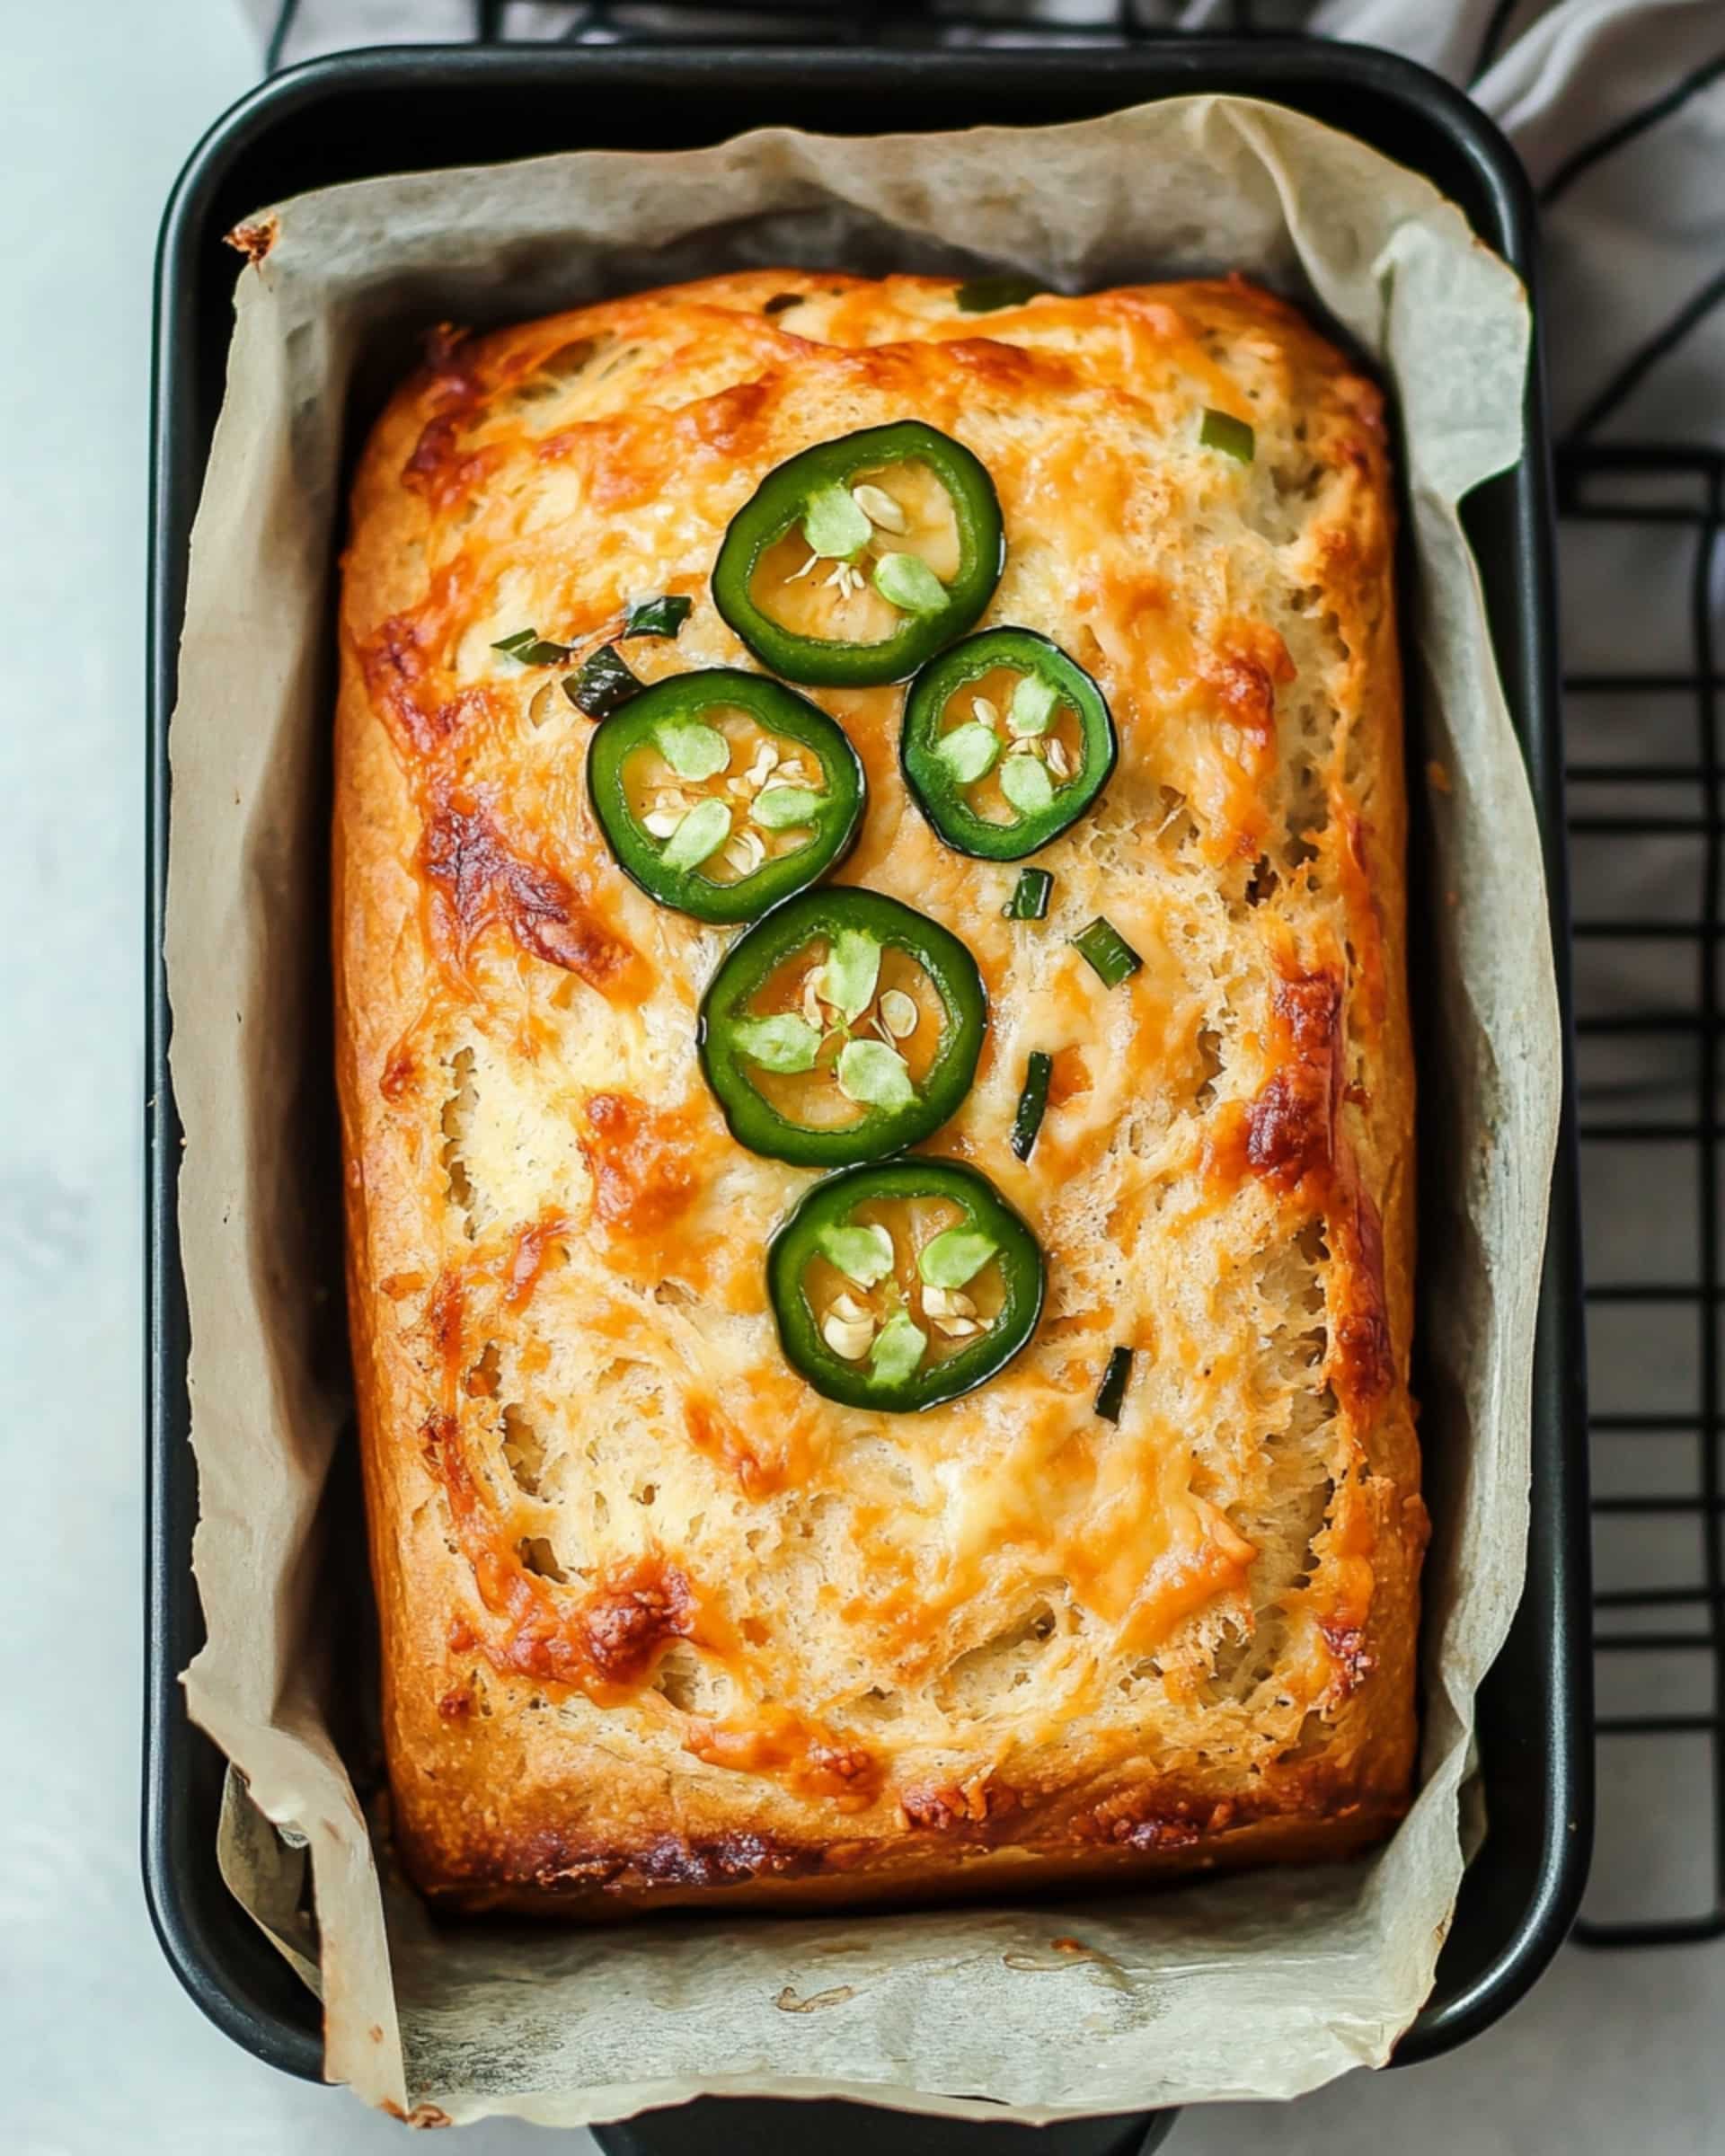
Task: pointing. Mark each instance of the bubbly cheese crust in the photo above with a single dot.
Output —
(657, 1620)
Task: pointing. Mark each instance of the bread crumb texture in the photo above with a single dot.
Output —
(658, 1620)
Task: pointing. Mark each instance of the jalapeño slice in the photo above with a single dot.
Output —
(843, 1027)
(859, 559)
(904, 1284)
(1006, 742)
(721, 792)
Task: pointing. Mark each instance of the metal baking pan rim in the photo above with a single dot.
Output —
(227, 1968)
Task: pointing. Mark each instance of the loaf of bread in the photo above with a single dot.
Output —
(661, 1621)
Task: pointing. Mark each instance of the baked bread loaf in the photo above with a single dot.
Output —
(662, 1623)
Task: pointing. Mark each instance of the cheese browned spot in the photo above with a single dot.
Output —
(535, 1247)
(605, 1642)
(1069, 1077)
(763, 1459)
(478, 880)
(1363, 1355)
(776, 1742)
(701, 1633)
(969, 1809)
(628, 1621)
(643, 1179)
(1292, 1129)
(439, 468)
(397, 662)
(1249, 665)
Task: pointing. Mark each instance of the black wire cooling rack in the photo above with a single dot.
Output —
(1659, 1636)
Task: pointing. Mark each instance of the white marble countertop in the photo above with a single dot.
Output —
(99, 2050)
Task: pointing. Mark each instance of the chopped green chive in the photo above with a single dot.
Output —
(1221, 430)
(954, 1257)
(874, 1075)
(1110, 1396)
(783, 1043)
(701, 834)
(1106, 951)
(864, 1255)
(604, 682)
(969, 752)
(1032, 1102)
(658, 617)
(1032, 706)
(1025, 782)
(853, 967)
(906, 581)
(984, 295)
(833, 524)
(784, 807)
(532, 649)
(692, 750)
(898, 1349)
(1030, 898)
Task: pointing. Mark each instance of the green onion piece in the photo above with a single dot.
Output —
(863, 1255)
(955, 1256)
(784, 1043)
(780, 301)
(1032, 1102)
(906, 581)
(784, 807)
(1110, 1396)
(1032, 706)
(1107, 952)
(847, 979)
(701, 834)
(1025, 782)
(984, 295)
(1030, 898)
(658, 617)
(969, 752)
(604, 682)
(532, 649)
(692, 750)
(1221, 430)
(833, 524)
(898, 1347)
(874, 1075)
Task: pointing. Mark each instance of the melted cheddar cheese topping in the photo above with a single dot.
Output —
(626, 1556)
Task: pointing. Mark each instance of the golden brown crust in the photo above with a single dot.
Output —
(660, 1626)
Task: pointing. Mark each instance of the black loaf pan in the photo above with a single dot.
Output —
(379, 113)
